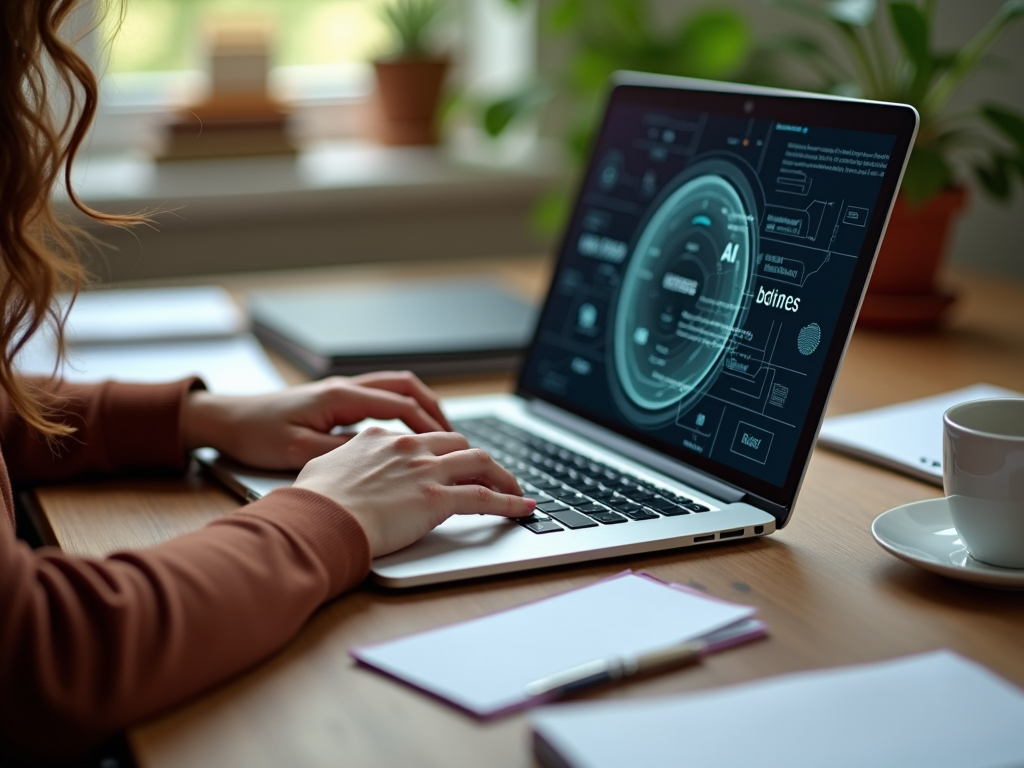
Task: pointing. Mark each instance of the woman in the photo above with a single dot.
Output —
(89, 646)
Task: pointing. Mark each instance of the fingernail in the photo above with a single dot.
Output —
(531, 504)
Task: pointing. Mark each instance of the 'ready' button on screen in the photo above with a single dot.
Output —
(752, 442)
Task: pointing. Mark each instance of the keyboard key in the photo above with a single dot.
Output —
(641, 513)
(540, 526)
(571, 498)
(624, 505)
(608, 518)
(573, 520)
(551, 506)
(637, 494)
(697, 507)
(660, 502)
(673, 511)
(547, 485)
(590, 508)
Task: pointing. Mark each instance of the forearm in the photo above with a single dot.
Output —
(118, 428)
(91, 646)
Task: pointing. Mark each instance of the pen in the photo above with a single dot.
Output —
(616, 668)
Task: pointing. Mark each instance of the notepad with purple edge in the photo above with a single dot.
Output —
(484, 665)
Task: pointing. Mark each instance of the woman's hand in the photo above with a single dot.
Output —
(399, 487)
(284, 430)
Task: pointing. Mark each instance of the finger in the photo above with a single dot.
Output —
(478, 500)
(410, 385)
(383, 404)
(475, 465)
(443, 443)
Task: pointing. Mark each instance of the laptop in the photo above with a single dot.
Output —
(431, 327)
(705, 292)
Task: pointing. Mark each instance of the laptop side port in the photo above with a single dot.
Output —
(706, 537)
(731, 534)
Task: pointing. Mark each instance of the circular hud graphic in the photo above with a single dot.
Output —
(684, 291)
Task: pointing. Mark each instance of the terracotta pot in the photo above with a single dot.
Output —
(408, 92)
(903, 293)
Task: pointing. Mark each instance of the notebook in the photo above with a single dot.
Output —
(934, 709)
(703, 298)
(907, 436)
(152, 335)
(479, 665)
(434, 328)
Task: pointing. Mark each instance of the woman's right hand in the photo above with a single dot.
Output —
(399, 487)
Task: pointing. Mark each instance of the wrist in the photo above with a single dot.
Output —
(200, 420)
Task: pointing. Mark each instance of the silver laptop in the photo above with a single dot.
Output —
(705, 291)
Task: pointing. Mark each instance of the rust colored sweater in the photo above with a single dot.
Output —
(88, 646)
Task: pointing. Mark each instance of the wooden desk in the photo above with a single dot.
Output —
(829, 594)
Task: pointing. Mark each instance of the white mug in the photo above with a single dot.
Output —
(983, 476)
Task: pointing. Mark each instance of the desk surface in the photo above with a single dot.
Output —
(829, 594)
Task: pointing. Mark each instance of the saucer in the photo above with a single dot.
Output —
(922, 533)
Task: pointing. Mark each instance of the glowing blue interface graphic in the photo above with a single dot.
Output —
(707, 265)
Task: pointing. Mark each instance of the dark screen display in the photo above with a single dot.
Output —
(703, 278)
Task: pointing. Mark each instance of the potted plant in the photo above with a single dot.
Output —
(596, 38)
(409, 81)
(903, 292)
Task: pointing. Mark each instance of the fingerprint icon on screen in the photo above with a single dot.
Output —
(808, 339)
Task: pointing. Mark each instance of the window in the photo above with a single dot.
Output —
(154, 62)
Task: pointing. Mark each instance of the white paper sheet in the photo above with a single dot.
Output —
(906, 436)
(230, 366)
(153, 314)
(484, 665)
(936, 709)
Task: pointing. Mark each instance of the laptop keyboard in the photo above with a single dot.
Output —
(572, 491)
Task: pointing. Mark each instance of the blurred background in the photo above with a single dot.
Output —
(306, 171)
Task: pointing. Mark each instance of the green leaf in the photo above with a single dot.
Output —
(591, 69)
(927, 174)
(713, 44)
(1008, 123)
(499, 114)
(970, 55)
(551, 212)
(628, 18)
(912, 32)
(996, 179)
(565, 15)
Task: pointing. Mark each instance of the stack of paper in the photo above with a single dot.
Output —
(156, 335)
(483, 666)
(937, 710)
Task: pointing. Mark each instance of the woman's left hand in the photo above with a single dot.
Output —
(284, 430)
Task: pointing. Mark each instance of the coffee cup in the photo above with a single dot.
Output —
(983, 476)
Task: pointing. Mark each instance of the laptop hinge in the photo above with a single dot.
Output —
(639, 453)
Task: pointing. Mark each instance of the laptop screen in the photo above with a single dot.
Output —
(711, 270)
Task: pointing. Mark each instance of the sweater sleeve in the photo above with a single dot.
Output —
(119, 428)
(90, 646)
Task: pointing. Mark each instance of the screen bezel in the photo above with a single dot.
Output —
(727, 100)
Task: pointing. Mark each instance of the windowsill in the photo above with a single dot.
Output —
(334, 202)
(348, 172)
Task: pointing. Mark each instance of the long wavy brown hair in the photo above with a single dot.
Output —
(40, 69)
